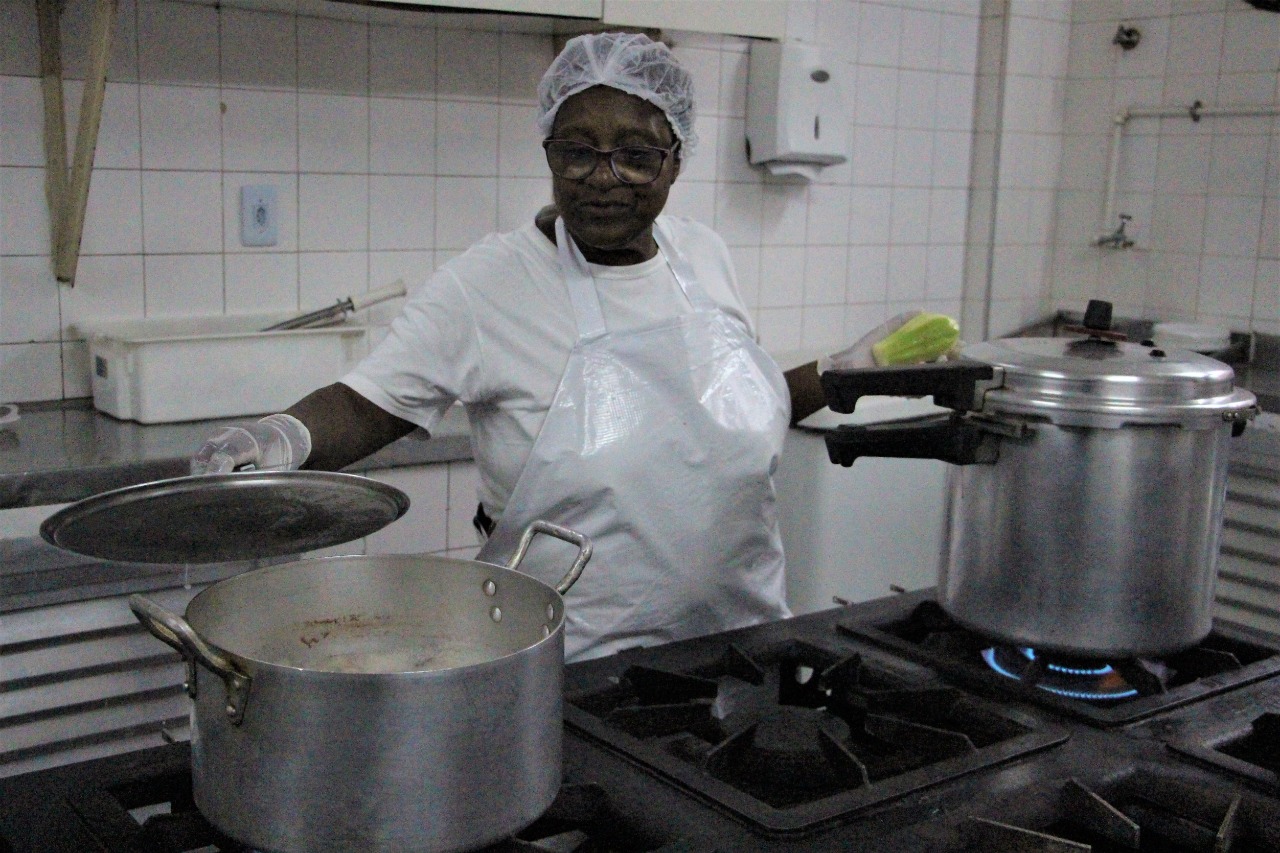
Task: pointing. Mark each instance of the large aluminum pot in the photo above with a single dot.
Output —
(394, 703)
(1085, 505)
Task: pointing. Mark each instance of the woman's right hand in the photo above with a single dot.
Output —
(275, 443)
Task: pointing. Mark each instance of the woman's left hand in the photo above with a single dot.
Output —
(859, 354)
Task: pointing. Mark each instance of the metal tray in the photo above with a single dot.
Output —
(225, 517)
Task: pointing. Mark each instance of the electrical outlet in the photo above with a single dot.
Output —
(259, 215)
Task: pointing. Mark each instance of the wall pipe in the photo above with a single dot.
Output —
(1195, 112)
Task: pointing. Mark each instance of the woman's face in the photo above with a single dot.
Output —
(601, 211)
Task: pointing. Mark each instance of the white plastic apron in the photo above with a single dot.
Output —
(660, 445)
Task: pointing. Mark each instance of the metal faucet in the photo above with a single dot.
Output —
(1117, 239)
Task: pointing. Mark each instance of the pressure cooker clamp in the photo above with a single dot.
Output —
(1239, 418)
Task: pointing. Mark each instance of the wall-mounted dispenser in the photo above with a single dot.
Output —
(796, 118)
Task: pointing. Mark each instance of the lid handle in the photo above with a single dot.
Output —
(1097, 324)
(950, 437)
(952, 384)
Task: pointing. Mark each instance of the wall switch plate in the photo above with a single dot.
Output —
(259, 215)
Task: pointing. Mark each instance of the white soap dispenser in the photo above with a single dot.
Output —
(796, 118)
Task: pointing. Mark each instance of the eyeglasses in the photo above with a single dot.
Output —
(631, 164)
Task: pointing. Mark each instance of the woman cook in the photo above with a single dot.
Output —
(608, 368)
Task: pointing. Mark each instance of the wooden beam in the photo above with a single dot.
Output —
(77, 198)
(55, 130)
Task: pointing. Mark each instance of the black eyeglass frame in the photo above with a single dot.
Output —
(613, 167)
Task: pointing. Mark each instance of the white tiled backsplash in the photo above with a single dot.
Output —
(395, 147)
(1204, 196)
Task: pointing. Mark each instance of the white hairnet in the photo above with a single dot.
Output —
(629, 62)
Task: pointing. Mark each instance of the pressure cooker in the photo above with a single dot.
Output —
(1086, 492)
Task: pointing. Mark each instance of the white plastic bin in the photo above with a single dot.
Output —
(171, 369)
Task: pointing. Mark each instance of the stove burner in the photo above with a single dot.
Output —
(583, 819)
(916, 626)
(1261, 746)
(795, 735)
(1145, 811)
(787, 750)
(1075, 679)
(1251, 751)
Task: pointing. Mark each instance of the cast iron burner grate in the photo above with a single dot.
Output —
(153, 813)
(1253, 752)
(1105, 693)
(156, 814)
(796, 736)
(1145, 811)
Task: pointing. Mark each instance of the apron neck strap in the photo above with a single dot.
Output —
(582, 289)
(681, 269)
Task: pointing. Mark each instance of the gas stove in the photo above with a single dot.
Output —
(791, 727)
(841, 730)
(1100, 692)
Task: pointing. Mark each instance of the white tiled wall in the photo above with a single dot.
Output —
(1204, 197)
(442, 502)
(393, 147)
(1027, 167)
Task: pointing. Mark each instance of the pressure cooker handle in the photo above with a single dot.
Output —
(571, 536)
(950, 437)
(952, 384)
(175, 631)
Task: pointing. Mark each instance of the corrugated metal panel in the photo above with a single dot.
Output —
(1248, 588)
(84, 680)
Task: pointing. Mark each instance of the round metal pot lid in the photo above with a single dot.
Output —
(1084, 375)
(225, 517)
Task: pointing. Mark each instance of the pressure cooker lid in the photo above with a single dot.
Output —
(1089, 375)
(225, 517)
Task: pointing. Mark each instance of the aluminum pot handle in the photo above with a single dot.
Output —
(570, 536)
(173, 630)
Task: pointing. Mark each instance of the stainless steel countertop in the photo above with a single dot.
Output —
(65, 451)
